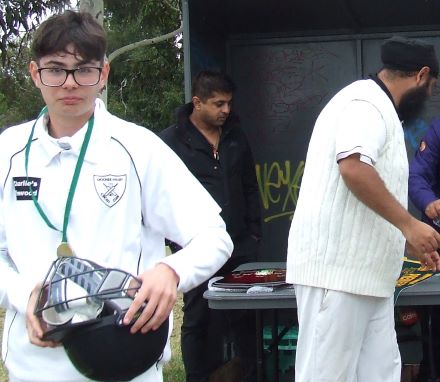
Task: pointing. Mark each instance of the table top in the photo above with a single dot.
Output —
(424, 293)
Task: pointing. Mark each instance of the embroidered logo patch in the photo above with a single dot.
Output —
(110, 188)
(25, 187)
(422, 146)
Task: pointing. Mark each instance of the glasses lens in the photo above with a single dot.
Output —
(87, 76)
(53, 76)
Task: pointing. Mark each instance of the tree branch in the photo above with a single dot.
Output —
(149, 41)
(167, 2)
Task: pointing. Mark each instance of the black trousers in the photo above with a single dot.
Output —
(204, 330)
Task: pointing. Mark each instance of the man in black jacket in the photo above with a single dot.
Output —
(209, 140)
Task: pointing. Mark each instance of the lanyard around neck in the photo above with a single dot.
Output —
(73, 183)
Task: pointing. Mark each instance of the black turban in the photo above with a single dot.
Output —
(407, 55)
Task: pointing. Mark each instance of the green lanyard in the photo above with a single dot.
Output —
(73, 183)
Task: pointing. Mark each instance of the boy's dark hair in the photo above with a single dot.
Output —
(206, 82)
(77, 28)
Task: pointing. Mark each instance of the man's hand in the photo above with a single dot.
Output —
(421, 237)
(432, 211)
(159, 290)
(35, 331)
(430, 260)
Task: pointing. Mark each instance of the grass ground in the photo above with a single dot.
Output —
(173, 371)
(3, 374)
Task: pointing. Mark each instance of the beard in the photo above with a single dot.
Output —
(413, 103)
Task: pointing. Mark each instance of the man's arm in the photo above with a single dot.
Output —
(364, 181)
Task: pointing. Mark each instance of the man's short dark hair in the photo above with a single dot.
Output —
(206, 82)
(79, 29)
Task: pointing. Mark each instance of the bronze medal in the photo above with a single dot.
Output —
(64, 250)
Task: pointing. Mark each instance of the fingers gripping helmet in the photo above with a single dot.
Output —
(82, 305)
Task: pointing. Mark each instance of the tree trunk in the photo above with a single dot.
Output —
(96, 9)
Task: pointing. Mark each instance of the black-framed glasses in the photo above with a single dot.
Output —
(84, 76)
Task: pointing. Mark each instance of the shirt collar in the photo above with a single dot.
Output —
(52, 147)
(378, 81)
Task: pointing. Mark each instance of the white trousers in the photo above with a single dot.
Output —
(345, 337)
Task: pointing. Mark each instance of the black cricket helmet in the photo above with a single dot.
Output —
(82, 305)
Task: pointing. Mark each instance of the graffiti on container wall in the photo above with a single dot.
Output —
(279, 185)
(284, 80)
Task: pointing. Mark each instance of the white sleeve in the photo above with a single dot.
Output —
(361, 130)
(179, 208)
(14, 290)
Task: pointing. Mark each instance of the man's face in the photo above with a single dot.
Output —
(413, 101)
(215, 109)
(69, 100)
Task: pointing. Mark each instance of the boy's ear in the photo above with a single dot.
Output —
(104, 74)
(33, 70)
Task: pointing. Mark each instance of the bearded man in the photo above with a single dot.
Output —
(348, 234)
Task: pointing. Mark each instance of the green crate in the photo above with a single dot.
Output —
(288, 342)
(286, 349)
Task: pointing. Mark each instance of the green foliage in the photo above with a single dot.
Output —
(20, 16)
(20, 100)
(146, 84)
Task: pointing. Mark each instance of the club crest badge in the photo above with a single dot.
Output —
(110, 188)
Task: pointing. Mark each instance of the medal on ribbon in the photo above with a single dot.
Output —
(64, 249)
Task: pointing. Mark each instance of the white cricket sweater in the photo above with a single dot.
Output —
(335, 241)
